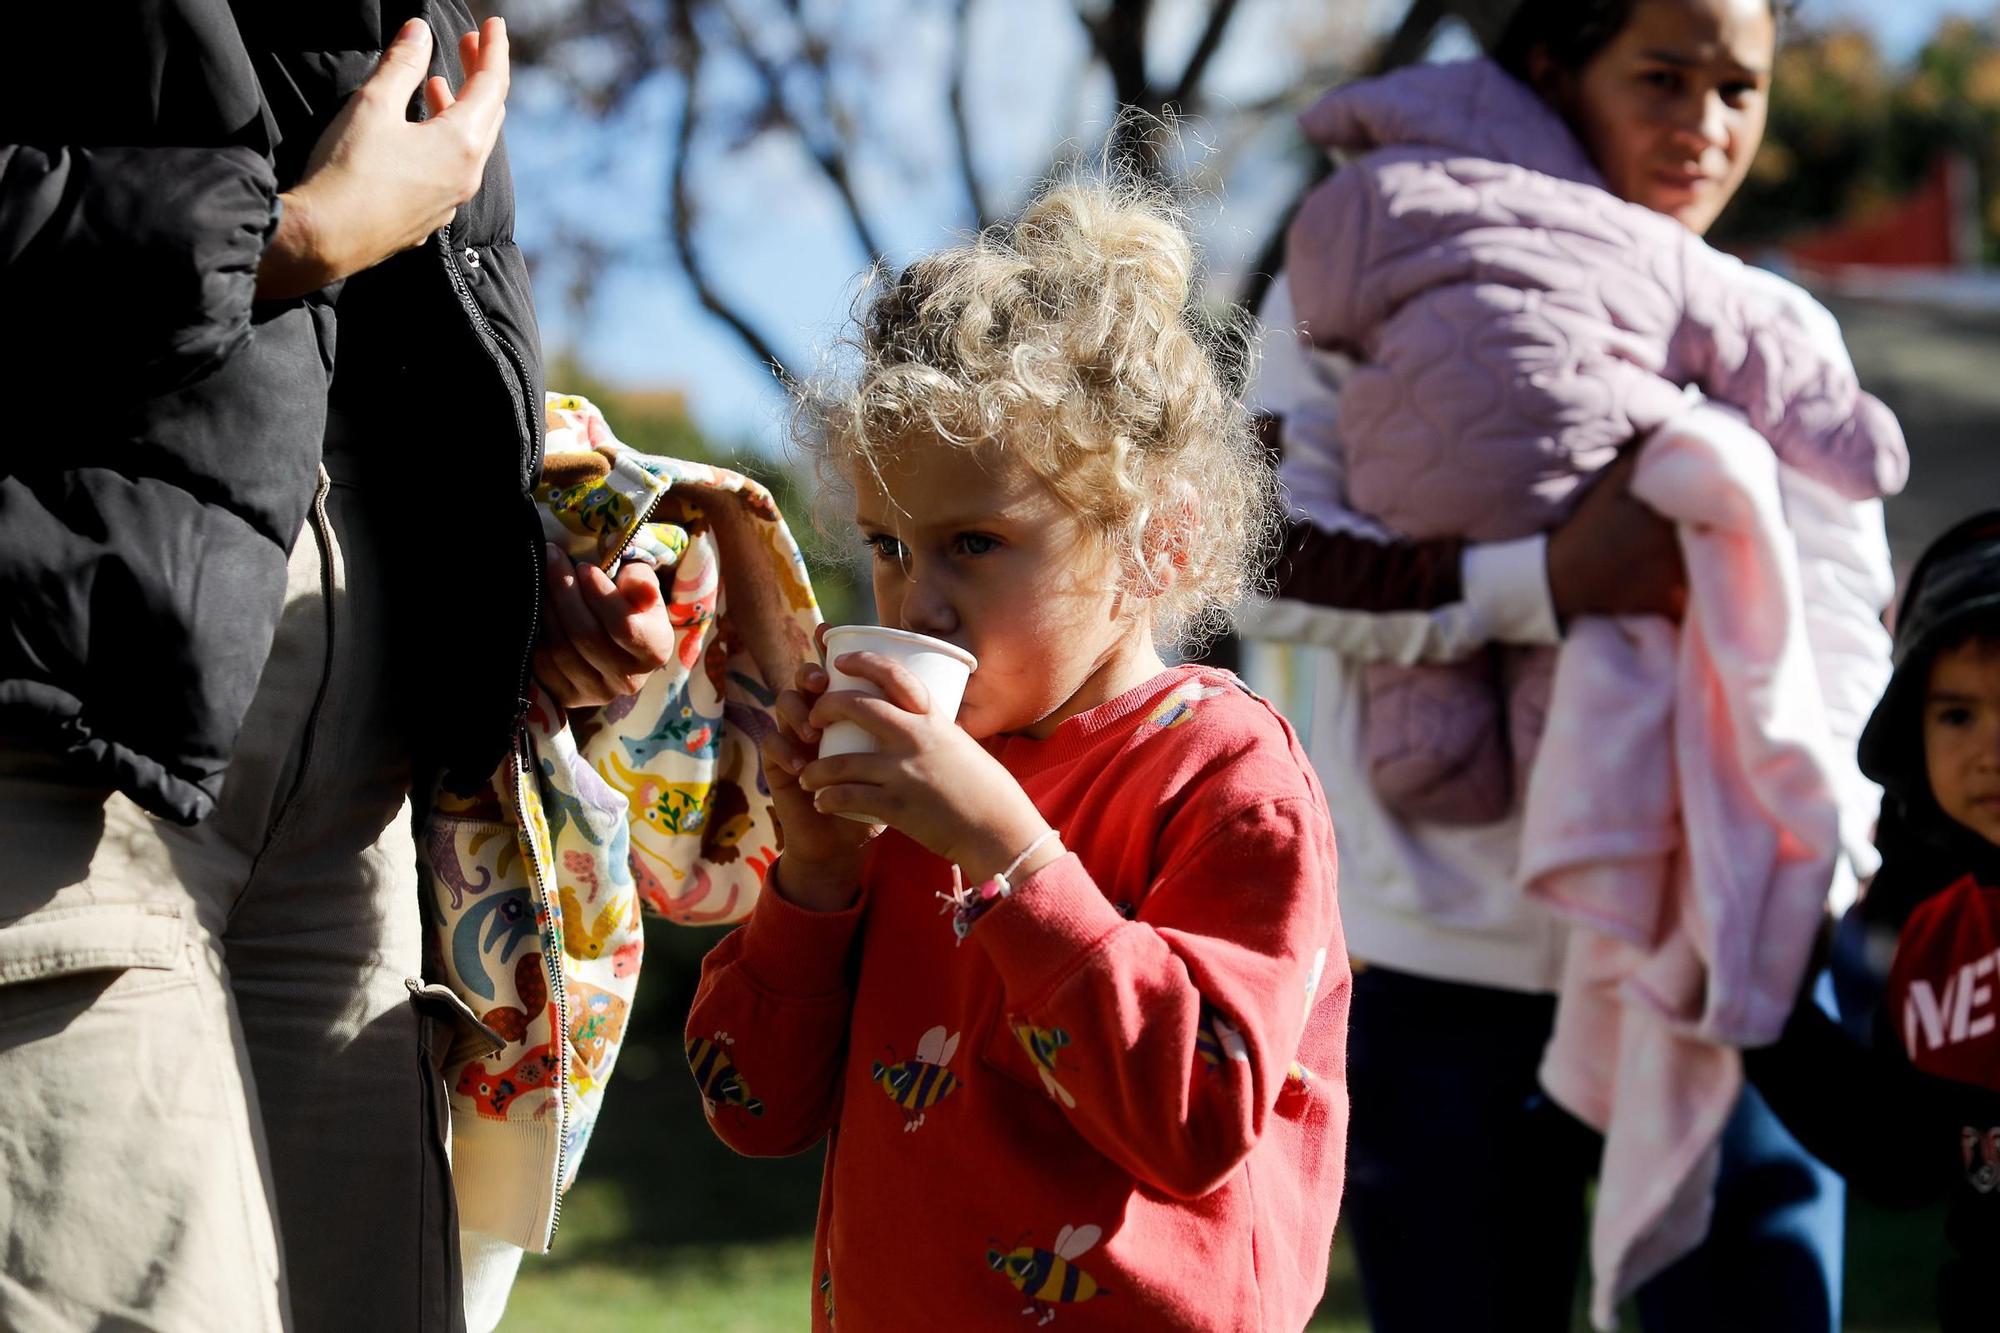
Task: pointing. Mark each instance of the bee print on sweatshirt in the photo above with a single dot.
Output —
(917, 1084)
(1217, 1039)
(1299, 1079)
(1042, 1046)
(1179, 705)
(716, 1076)
(1049, 1278)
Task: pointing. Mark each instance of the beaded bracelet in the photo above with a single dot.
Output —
(967, 905)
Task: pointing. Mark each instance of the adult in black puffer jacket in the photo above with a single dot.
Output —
(167, 425)
(275, 410)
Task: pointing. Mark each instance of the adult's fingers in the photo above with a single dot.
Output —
(488, 71)
(631, 613)
(577, 635)
(403, 65)
(569, 618)
(568, 677)
(437, 95)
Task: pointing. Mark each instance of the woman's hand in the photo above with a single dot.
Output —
(378, 183)
(601, 637)
(929, 780)
(1615, 555)
(821, 865)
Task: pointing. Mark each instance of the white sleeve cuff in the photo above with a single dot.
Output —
(1506, 585)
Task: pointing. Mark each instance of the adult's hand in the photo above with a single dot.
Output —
(600, 637)
(1615, 555)
(378, 183)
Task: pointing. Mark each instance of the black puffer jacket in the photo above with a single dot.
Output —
(165, 428)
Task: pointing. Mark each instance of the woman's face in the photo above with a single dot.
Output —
(1673, 109)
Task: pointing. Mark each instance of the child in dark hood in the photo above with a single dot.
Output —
(1915, 1110)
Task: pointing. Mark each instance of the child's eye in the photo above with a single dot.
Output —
(1954, 715)
(886, 548)
(976, 543)
(1735, 95)
(1664, 80)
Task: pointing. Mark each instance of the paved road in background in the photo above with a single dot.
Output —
(1940, 372)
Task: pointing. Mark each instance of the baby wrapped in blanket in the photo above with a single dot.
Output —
(1514, 325)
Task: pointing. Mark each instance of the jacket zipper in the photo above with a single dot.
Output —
(638, 526)
(551, 959)
(552, 969)
(322, 537)
(532, 464)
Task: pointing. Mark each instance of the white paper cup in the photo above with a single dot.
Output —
(942, 667)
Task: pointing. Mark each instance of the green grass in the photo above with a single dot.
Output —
(603, 1279)
(746, 1287)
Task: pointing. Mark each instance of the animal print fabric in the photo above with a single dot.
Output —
(658, 800)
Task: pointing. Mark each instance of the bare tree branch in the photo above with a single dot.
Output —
(961, 128)
(1412, 35)
(682, 211)
(1119, 35)
(1486, 18)
(1408, 43)
(829, 157)
(1219, 14)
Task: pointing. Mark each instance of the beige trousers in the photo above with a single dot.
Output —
(219, 1107)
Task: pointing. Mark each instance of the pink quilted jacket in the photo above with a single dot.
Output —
(1515, 324)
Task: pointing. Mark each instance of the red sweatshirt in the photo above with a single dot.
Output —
(1121, 1098)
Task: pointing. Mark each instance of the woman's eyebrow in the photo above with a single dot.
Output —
(1682, 60)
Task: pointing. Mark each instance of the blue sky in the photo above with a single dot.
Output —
(776, 242)
(1900, 25)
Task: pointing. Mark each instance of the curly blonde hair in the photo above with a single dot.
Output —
(1069, 337)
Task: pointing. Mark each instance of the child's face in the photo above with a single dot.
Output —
(1673, 109)
(1962, 735)
(969, 546)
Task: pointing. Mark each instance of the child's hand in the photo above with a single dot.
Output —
(929, 780)
(821, 865)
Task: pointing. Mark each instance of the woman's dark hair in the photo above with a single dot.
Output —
(1574, 31)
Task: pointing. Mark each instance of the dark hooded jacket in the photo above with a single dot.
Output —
(165, 427)
(1904, 1100)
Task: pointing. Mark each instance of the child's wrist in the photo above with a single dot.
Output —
(989, 852)
(816, 886)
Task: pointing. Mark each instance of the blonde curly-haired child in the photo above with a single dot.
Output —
(1073, 1025)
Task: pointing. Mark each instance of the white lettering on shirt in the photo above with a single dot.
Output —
(1965, 1012)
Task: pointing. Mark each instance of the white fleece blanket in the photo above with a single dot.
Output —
(1687, 812)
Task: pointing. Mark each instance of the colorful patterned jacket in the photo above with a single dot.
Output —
(535, 884)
